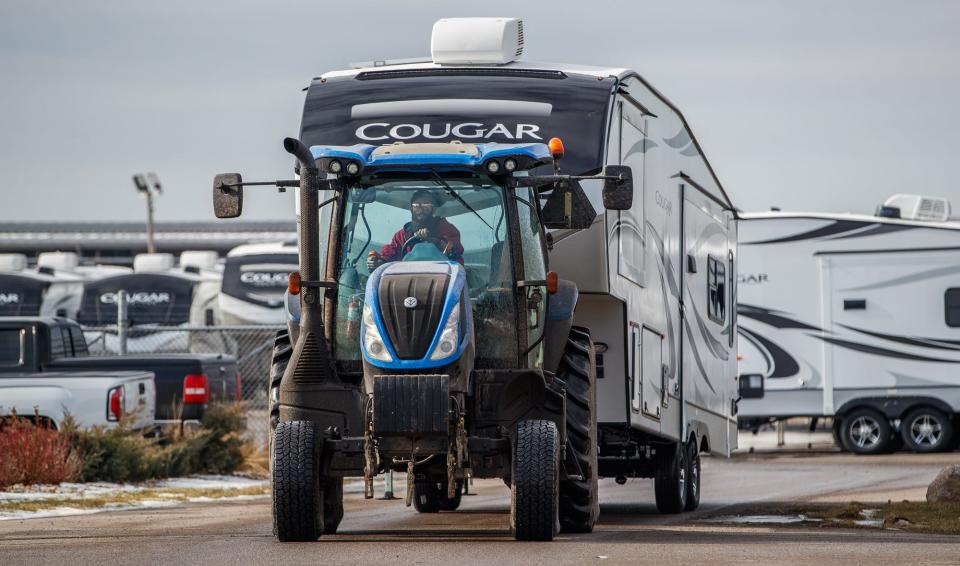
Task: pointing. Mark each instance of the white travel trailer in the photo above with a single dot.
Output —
(853, 317)
(160, 293)
(52, 288)
(254, 282)
(655, 281)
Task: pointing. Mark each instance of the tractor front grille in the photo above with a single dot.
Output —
(411, 328)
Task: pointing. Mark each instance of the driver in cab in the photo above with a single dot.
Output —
(423, 227)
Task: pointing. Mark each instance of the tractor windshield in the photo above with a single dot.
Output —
(430, 216)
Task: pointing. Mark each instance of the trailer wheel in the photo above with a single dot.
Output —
(693, 477)
(670, 482)
(579, 500)
(926, 429)
(536, 473)
(865, 431)
(297, 496)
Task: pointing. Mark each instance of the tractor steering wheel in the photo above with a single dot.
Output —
(441, 243)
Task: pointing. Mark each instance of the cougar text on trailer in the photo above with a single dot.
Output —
(854, 317)
(625, 369)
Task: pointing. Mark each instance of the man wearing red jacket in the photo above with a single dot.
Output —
(425, 226)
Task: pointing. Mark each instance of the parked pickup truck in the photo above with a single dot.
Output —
(90, 397)
(186, 383)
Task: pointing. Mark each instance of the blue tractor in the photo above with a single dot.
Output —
(428, 336)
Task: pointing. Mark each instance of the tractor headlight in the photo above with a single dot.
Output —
(449, 337)
(373, 343)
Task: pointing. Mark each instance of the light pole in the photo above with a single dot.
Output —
(149, 187)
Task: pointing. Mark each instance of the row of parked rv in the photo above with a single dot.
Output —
(201, 290)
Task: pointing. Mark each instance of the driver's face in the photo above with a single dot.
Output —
(421, 209)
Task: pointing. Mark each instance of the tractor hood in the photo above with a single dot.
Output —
(416, 315)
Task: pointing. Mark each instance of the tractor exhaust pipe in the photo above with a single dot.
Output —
(309, 222)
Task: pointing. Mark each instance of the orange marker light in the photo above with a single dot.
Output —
(556, 147)
(553, 280)
(293, 283)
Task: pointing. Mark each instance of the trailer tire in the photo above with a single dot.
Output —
(297, 494)
(865, 431)
(535, 495)
(926, 429)
(670, 482)
(579, 500)
(693, 477)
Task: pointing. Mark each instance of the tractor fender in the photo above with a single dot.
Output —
(560, 310)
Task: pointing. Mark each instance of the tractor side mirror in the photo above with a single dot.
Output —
(618, 187)
(568, 207)
(227, 195)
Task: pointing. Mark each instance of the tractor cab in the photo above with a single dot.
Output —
(439, 227)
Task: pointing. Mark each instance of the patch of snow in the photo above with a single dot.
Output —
(210, 482)
(763, 519)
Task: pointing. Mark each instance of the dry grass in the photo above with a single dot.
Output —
(130, 498)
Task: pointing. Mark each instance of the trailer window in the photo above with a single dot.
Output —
(952, 306)
(11, 347)
(716, 290)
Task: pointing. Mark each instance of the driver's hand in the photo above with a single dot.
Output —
(374, 260)
(422, 233)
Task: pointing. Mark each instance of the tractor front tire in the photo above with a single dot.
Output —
(297, 493)
(536, 486)
(431, 497)
(579, 499)
(332, 505)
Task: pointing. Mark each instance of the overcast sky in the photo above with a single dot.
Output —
(813, 105)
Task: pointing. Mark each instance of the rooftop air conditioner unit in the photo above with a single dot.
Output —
(152, 263)
(11, 263)
(918, 207)
(476, 41)
(59, 261)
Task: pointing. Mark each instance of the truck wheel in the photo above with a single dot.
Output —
(670, 482)
(579, 500)
(693, 477)
(536, 474)
(865, 431)
(332, 505)
(926, 429)
(297, 497)
(426, 497)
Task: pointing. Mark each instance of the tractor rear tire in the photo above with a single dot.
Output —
(536, 486)
(282, 350)
(297, 494)
(579, 499)
(426, 497)
(670, 482)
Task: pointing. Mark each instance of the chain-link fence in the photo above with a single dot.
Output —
(252, 346)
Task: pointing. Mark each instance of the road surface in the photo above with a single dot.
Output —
(630, 531)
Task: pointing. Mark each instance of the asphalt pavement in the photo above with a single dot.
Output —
(630, 529)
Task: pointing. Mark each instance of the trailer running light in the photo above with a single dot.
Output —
(373, 343)
(493, 167)
(335, 166)
(115, 404)
(449, 338)
(195, 389)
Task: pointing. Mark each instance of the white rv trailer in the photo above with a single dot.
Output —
(160, 293)
(52, 288)
(655, 282)
(853, 317)
(254, 282)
